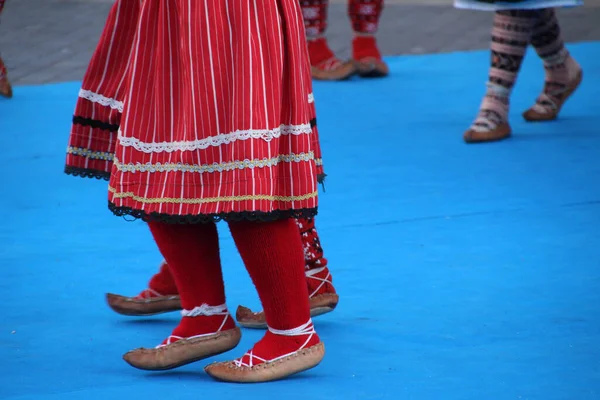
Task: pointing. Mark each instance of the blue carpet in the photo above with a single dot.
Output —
(465, 272)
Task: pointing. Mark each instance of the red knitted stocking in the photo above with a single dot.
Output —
(192, 252)
(273, 256)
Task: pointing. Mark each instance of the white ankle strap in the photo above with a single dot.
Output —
(311, 272)
(203, 310)
(152, 291)
(305, 329)
(206, 310)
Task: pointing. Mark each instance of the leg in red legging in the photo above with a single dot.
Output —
(322, 295)
(206, 328)
(272, 253)
(365, 15)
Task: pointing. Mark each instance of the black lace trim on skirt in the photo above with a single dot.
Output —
(257, 216)
(94, 123)
(87, 173)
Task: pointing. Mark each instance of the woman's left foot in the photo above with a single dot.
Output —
(279, 354)
(322, 296)
(548, 105)
(556, 93)
(324, 64)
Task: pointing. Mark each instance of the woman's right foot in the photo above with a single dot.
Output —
(279, 354)
(322, 297)
(492, 122)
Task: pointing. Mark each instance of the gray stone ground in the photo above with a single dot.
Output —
(52, 40)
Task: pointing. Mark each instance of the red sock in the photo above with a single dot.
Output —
(162, 282)
(321, 56)
(272, 252)
(192, 252)
(318, 277)
(365, 47)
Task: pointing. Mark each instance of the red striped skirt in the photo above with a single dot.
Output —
(97, 118)
(217, 118)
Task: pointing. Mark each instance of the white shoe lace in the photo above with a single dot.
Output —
(311, 275)
(305, 329)
(203, 310)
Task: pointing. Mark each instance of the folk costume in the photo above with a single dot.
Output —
(215, 126)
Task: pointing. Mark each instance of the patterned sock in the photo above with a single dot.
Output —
(560, 67)
(272, 253)
(318, 277)
(315, 17)
(511, 34)
(364, 15)
(192, 252)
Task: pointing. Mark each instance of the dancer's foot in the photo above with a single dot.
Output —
(492, 122)
(325, 65)
(561, 82)
(322, 295)
(203, 332)
(160, 297)
(277, 355)
(148, 302)
(367, 57)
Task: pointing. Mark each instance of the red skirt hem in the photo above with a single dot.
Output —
(234, 216)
